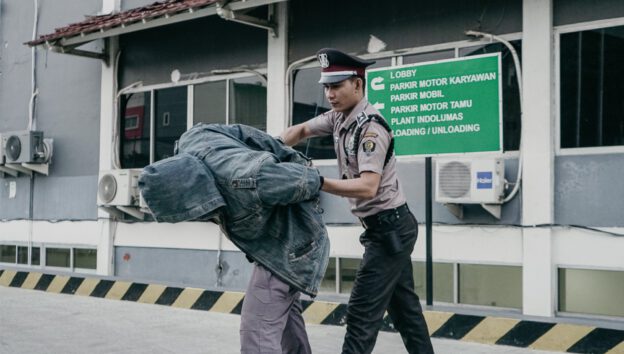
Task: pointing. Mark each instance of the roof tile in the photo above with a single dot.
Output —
(105, 22)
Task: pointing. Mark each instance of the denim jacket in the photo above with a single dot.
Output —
(263, 194)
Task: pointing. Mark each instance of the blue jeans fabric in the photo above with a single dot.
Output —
(263, 194)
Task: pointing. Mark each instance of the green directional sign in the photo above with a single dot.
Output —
(442, 107)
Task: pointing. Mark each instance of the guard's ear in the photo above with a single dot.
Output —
(359, 83)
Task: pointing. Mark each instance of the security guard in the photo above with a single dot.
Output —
(364, 148)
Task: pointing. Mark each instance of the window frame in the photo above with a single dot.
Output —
(396, 57)
(557, 32)
(455, 291)
(559, 313)
(42, 256)
(190, 85)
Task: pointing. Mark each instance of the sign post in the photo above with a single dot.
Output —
(442, 107)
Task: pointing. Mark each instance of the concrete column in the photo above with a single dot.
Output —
(539, 278)
(105, 249)
(277, 63)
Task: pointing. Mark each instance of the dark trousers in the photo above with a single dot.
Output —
(383, 282)
(271, 321)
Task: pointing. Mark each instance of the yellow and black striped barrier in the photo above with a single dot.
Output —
(560, 337)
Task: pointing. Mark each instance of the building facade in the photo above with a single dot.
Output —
(139, 74)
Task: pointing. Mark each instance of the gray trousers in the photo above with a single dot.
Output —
(271, 320)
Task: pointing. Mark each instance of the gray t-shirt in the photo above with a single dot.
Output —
(373, 145)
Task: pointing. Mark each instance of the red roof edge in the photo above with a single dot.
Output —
(106, 22)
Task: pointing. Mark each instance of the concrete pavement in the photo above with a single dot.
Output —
(34, 321)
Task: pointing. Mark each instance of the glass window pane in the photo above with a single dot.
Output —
(442, 281)
(7, 253)
(328, 284)
(490, 285)
(511, 93)
(57, 257)
(308, 102)
(135, 130)
(34, 256)
(170, 120)
(380, 63)
(209, 102)
(348, 270)
(85, 258)
(248, 102)
(431, 56)
(592, 113)
(22, 255)
(597, 292)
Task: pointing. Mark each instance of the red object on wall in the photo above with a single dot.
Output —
(133, 122)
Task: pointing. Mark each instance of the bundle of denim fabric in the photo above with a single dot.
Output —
(262, 193)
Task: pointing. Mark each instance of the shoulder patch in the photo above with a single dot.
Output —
(369, 146)
(361, 119)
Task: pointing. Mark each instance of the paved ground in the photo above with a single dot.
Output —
(38, 322)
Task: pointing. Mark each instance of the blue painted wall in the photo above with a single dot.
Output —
(67, 110)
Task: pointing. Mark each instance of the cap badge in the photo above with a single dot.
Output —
(322, 58)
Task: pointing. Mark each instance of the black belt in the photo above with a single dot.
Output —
(385, 217)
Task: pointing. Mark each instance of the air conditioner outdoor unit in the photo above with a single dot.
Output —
(118, 188)
(26, 146)
(470, 180)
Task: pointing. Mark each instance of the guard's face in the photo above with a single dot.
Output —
(344, 95)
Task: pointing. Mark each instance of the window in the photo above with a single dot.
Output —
(7, 254)
(443, 283)
(22, 255)
(592, 112)
(490, 285)
(171, 102)
(248, 102)
(511, 93)
(231, 101)
(596, 292)
(209, 104)
(146, 139)
(85, 258)
(34, 256)
(57, 257)
(430, 56)
(348, 270)
(135, 125)
(328, 284)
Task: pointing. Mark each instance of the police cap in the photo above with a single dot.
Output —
(337, 66)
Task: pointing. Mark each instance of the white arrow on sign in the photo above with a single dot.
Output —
(377, 83)
(379, 106)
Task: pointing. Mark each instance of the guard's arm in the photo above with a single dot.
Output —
(293, 135)
(364, 187)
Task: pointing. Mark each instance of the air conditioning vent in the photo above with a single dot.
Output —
(25, 147)
(455, 179)
(118, 188)
(107, 188)
(470, 181)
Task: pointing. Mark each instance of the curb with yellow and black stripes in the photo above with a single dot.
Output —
(482, 329)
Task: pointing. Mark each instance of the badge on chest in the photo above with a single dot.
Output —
(351, 145)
